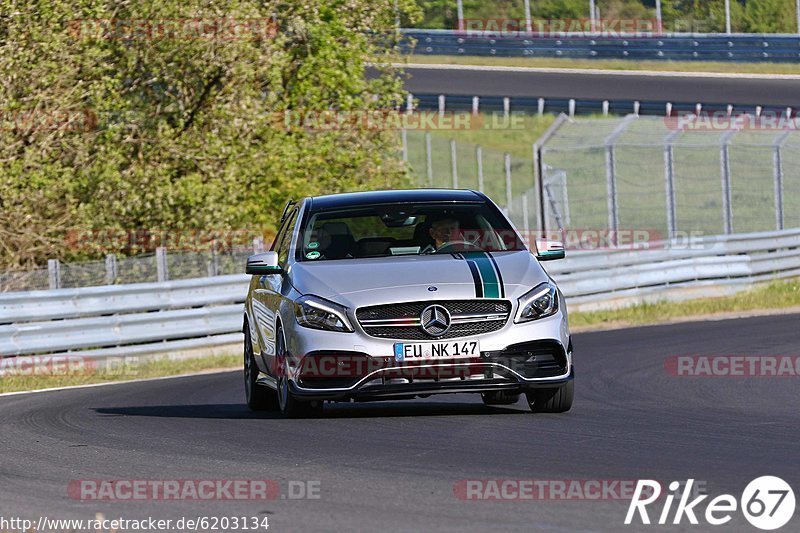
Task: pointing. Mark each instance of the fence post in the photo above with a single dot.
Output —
(506, 106)
(777, 173)
(454, 163)
(441, 104)
(479, 159)
(161, 264)
(507, 165)
(476, 103)
(611, 187)
(54, 273)
(725, 171)
(428, 158)
(611, 172)
(537, 185)
(404, 142)
(525, 224)
(528, 25)
(669, 183)
(258, 245)
(213, 264)
(111, 269)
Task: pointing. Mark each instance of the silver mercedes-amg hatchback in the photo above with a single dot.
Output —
(400, 295)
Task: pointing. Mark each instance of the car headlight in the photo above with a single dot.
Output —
(318, 313)
(541, 302)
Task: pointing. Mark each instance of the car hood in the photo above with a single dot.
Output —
(373, 281)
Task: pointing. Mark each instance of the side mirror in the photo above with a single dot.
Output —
(263, 264)
(547, 250)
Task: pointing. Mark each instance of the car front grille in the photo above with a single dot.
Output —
(402, 320)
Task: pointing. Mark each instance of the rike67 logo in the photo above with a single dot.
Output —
(767, 502)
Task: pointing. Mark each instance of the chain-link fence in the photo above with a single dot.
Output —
(160, 266)
(507, 178)
(671, 177)
(661, 174)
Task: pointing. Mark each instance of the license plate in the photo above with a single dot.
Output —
(421, 351)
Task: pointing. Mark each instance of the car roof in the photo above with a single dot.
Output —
(402, 196)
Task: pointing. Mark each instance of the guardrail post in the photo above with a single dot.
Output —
(571, 107)
(410, 103)
(507, 165)
(54, 273)
(441, 104)
(479, 159)
(454, 163)
(506, 106)
(605, 108)
(111, 269)
(428, 158)
(540, 106)
(161, 264)
(725, 171)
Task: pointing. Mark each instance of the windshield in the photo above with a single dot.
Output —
(396, 230)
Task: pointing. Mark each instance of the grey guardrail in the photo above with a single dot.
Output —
(203, 313)
(682, 47)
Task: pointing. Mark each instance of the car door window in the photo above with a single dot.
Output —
(284, 239)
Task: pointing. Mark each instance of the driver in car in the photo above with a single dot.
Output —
(444, 231)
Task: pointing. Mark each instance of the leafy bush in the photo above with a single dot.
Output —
(107, 126)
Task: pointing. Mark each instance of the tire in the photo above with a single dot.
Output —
(556, 400)
(258, 397)
(289, 405)
(499, 398)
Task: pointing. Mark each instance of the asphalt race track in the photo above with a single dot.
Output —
(606, 86)
(393, 465)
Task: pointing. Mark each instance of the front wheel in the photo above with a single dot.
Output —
(555, 400)
(290, 406)
(259, 397)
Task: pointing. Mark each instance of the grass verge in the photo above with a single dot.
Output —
(774, 296)
(71, 373)
(611, 64)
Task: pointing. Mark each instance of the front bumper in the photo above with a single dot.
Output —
(356, 366)
(325, 375)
